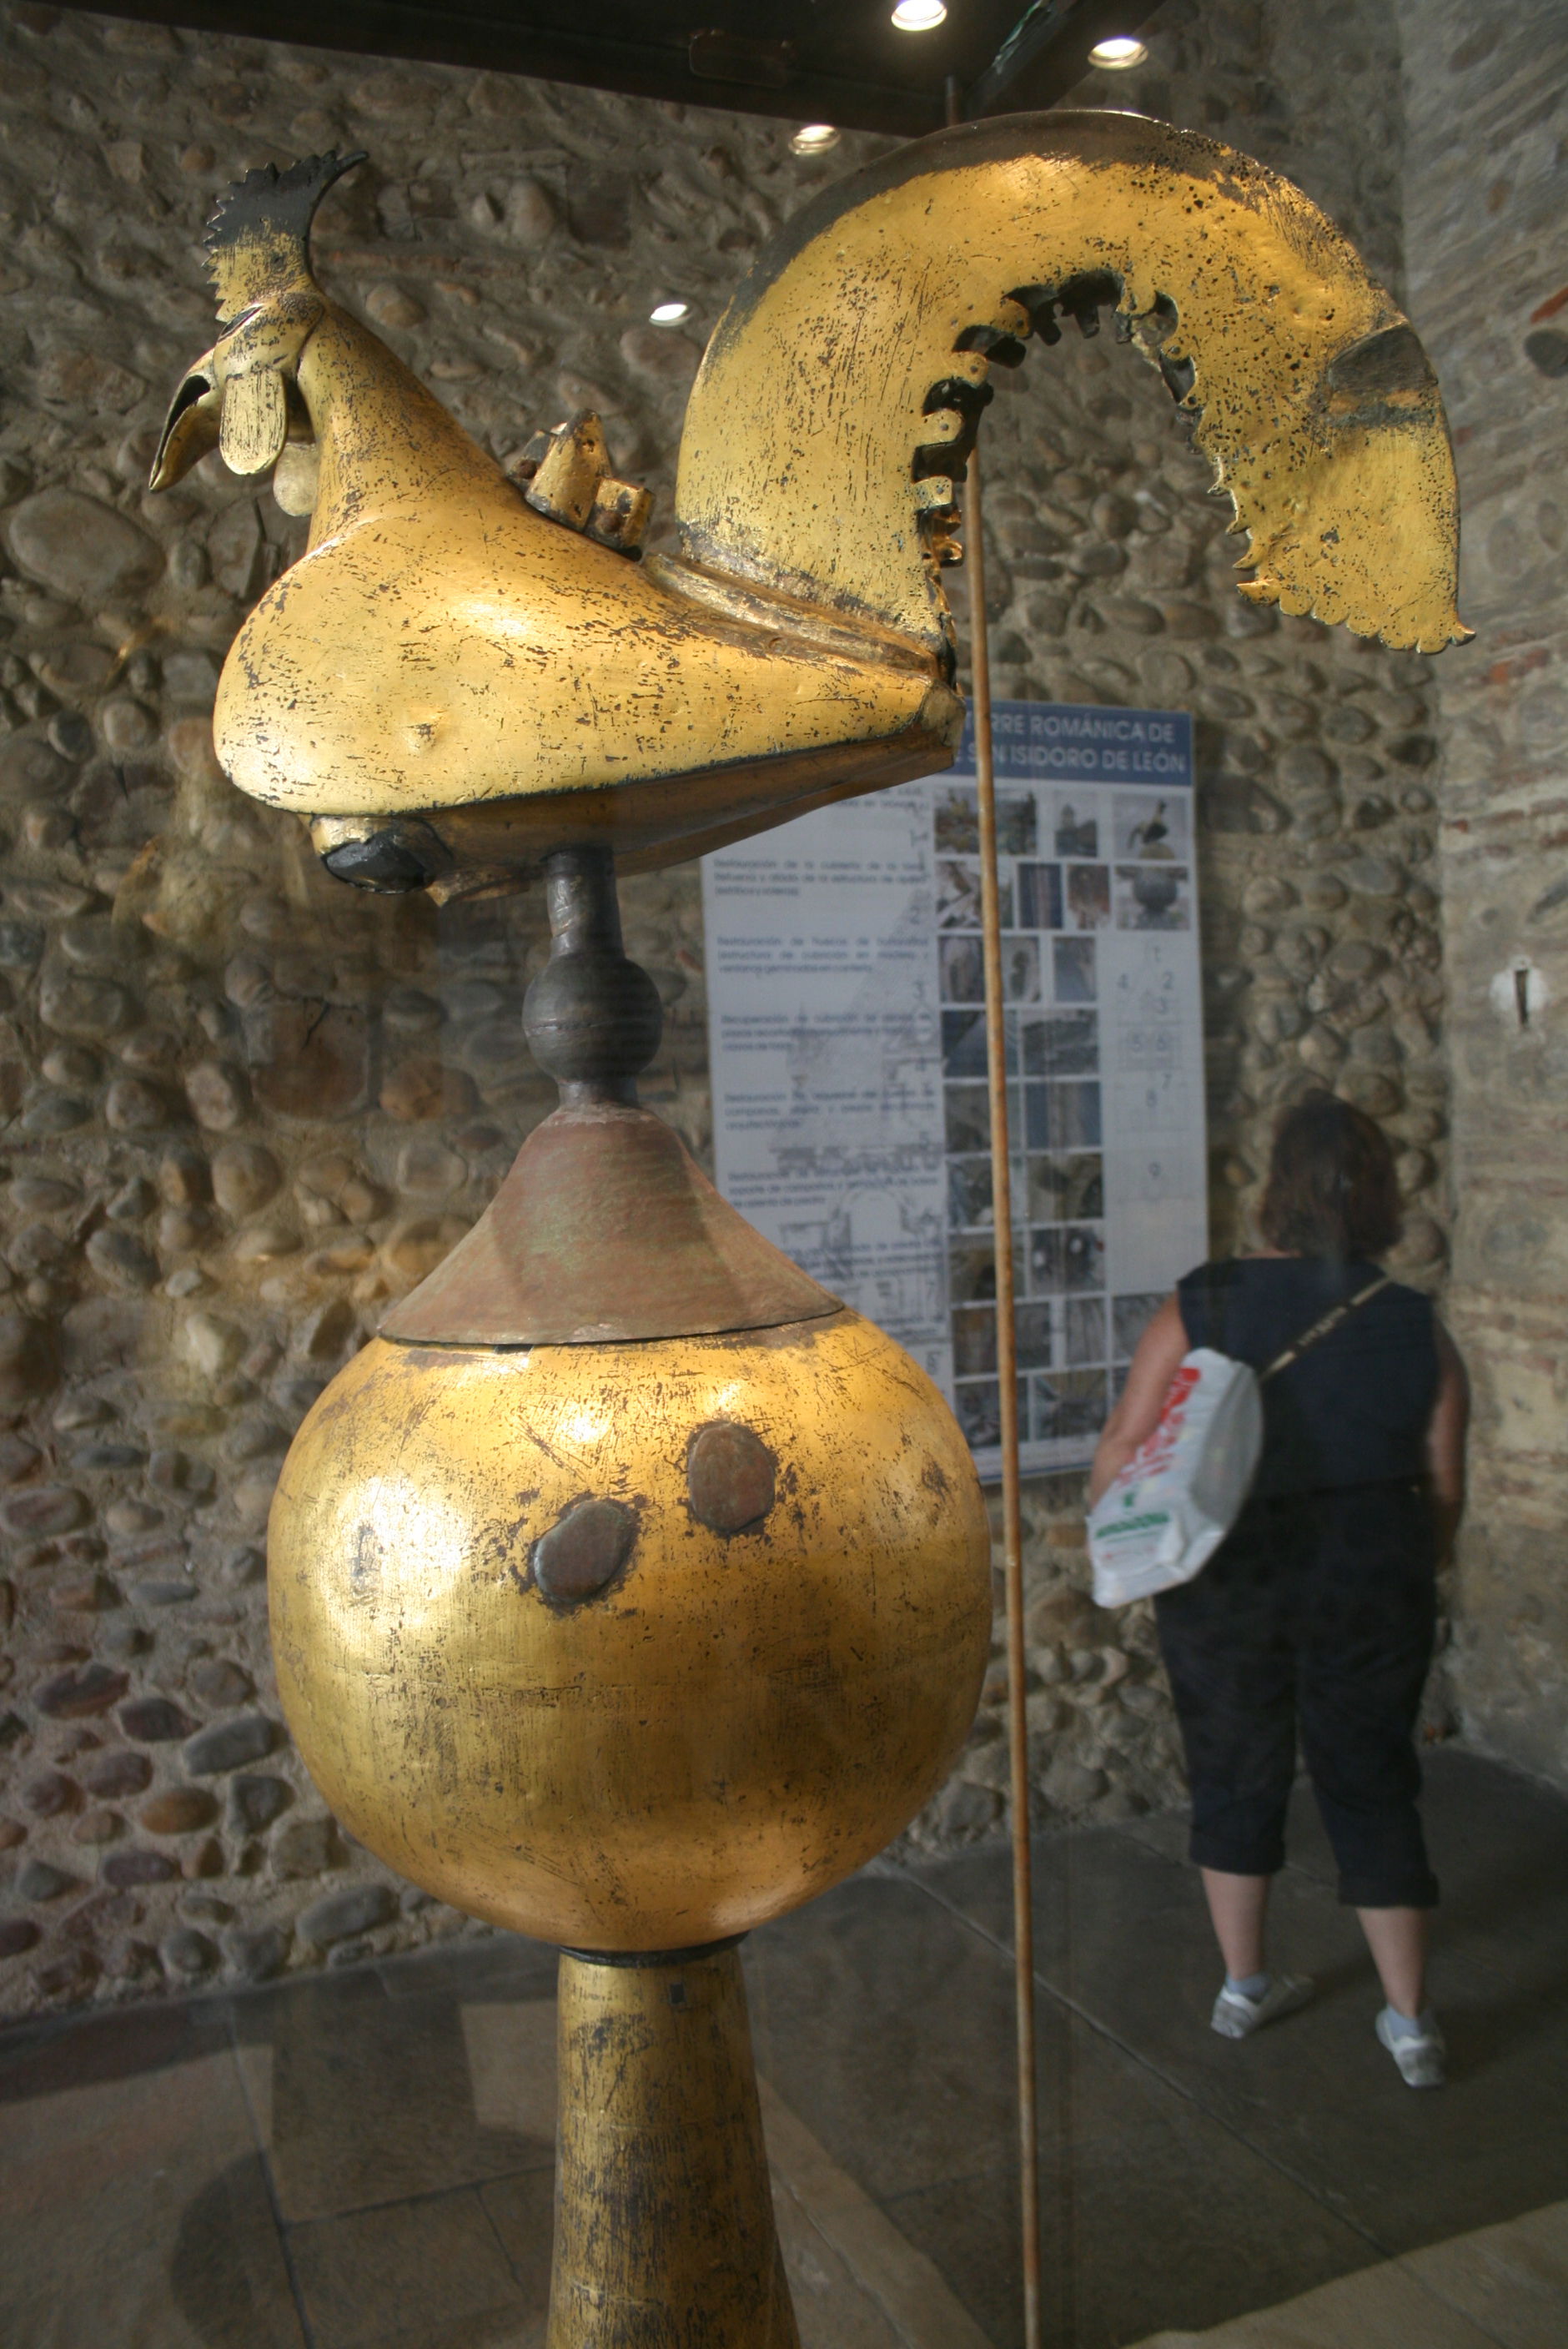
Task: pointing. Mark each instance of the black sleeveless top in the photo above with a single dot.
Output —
(1356, 1408)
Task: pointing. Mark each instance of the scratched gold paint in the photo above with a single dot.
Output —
(795, 454)
(441, 641)
(657, 2091)
(442, 644)
(734, 1725)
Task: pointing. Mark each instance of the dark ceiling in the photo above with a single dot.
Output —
(838, 61)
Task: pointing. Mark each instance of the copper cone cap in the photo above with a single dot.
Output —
(606, 1229)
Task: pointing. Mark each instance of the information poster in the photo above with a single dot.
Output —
(849, 1062)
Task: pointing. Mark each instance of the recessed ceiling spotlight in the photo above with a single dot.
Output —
(814, 138)
(920, 15)
(669, 313)
(1117, 55)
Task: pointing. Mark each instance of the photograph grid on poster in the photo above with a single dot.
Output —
(1103, 1045)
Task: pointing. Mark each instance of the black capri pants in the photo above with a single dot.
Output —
(1316, 1613)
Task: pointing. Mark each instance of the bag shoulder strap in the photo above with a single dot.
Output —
(1330, 1321)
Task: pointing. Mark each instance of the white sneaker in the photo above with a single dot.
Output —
(1236, 2016)
(1421, 2055)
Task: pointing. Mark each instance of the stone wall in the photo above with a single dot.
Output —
(244, 1107)
(1488, 267)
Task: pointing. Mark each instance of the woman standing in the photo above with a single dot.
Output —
(1316, 1613)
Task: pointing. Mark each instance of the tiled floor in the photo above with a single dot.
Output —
(1503, 2287)
(362, 2160)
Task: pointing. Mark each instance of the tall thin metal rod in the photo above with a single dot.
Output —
(1007, 1374)
(1007, 1379)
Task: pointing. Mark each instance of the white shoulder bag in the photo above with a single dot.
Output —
(1164, 1515)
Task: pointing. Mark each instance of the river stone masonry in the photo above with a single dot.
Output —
(244, 1108)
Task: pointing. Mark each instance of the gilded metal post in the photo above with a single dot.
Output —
(663, 2216)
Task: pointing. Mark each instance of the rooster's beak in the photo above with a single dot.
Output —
(191, 428)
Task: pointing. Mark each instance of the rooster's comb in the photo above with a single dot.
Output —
(258, 239)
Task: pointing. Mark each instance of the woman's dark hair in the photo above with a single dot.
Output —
(1331, 1190)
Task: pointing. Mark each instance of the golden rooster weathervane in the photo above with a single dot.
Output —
(463, 672)
(628, 1589)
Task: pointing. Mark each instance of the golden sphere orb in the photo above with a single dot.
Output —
(631, 1646)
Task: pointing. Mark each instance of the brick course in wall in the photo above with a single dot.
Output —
(244, 1108)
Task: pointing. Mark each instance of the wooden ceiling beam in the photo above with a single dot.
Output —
(428, 33)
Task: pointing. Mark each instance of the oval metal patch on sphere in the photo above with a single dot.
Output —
(583, 1551)
(731, 1477)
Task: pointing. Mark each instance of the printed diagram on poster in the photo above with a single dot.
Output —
(847, 1031)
